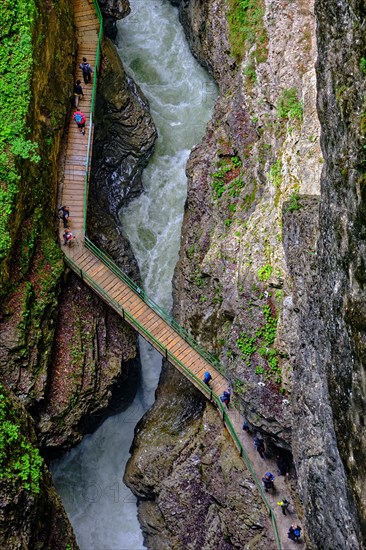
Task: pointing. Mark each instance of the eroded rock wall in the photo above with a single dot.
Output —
(329, 429)
(193, 488)
(232, 286)
(62, 351)
(231, 280)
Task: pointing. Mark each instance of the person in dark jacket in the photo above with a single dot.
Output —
(268, 481)
(259, 446)
(78, 93)
(87, 70)
(294, 533)
(225, 397)
(207, 378)
(65, 214)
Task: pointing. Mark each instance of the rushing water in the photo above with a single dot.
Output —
(151, 43)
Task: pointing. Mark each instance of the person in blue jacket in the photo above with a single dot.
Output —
(207, 378)
(268, 480)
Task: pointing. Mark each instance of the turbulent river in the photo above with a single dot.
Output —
(154, 51)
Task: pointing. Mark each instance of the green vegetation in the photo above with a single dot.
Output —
(363, 65)
(246, 27)
(289, 106)
(16, 29)
(275, 173)
(294, 203)
(247, 346)
(20, 461)
(261, 343)
(227, 172)
(265, 272)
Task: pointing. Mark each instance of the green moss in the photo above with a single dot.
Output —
(363, 65)
(17, 19)
(246, 27)
(265, 272)
(294, 203)
(221, 179)
(20, 460)
(289, 106)
(275, 173)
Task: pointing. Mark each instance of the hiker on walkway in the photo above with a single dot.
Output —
(225, 397)
(64, 213)
(87, 70)
(284, 505)
(268, 480)
(294, 533)
(67, 236)
(78, 93)
(259, 446)
(80, 120)
(207, 378)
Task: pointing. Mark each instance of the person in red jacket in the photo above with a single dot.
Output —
(80, 120)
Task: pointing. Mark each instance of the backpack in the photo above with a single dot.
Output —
(207, 376)
(297, 532)
(78, 118)
(85, 67)
(224, 396)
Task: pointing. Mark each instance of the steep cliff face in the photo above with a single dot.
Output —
(189, 478)
(123, 140)
(62, 351)
(261, 149)
(329, 430)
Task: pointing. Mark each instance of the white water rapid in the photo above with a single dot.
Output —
(154, 51)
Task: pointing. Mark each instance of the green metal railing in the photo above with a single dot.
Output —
(92, 108)
(207, 356)
(214, 398)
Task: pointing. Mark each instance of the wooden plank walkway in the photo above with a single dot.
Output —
(94, 272)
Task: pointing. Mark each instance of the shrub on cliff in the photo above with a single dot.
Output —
(20, 461)
(16, 29)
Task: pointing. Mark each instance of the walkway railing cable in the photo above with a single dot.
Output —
(214, 398)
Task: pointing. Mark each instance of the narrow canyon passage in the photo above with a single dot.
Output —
(181, 95)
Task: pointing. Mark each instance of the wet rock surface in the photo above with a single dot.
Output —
(29, 519)
(193, 489)
(124, 137)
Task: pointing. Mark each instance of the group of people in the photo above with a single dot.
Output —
(283, 467)
(67, 236)
(225, 396)
(268, 478)
(78, 116)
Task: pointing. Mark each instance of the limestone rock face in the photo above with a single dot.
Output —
(231, 281)
(124, 136)
(193, 489)
(95, 369)
(329, 404)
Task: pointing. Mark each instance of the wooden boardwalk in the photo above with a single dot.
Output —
(93, 271)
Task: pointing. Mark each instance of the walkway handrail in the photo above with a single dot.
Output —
(104, 258)
(92, 107)
(171, 357)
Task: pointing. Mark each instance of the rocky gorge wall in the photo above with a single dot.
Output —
(232, 289)
(270, 273)
(329, 432)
